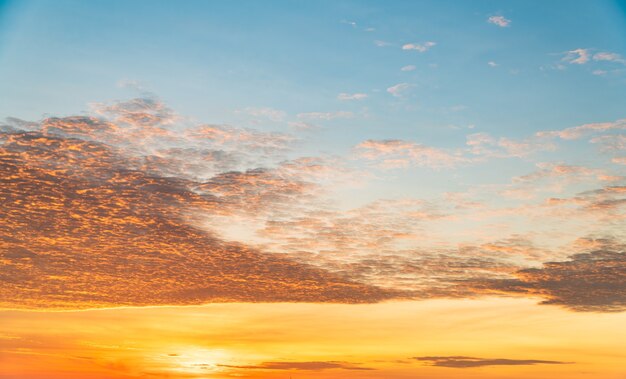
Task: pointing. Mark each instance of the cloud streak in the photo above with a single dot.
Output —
(471, 362)
(301, 366)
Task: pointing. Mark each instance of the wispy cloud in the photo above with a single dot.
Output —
(147, 111)
(577, 132)
(421, 47)
(501, 21)
(577, 56)
(610, 57)
(484, 145)
(408, 68)
(619, 160)
(304, 366)
(399, 89)
(399, 153)
(325, 115)
(351, 96)
(469, 362)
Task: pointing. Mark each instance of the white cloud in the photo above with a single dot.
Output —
(398, 89)
(408, 68)
(577, 56)
(499, 20)
(492, 64)
(611, 57)
(577, 132)
(325, 115)
(353, 96)
(419, 47)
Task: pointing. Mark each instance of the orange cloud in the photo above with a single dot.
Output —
(85, 227)
(593, 281)
(468, 362)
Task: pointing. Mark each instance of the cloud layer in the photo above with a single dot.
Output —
(86, 225)
(134, 205)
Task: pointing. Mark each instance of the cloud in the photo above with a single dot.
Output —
(261, 189)
(304, 366)
(423, 47)
(143, 209)
(577, 56)
(592, 281)
(348, 22)
(470, 362)
(398, 153)
(619, 160)
(408, 68)
(610, 57)
(484, 145)
(492, 64)
(603, 204)
(577, 132)
(399, 89)
(561, 172)
(325, 115)
(501, 21)
(353, 96)
(223, 136)
(169, 145)
(147, 111)
(85, 225)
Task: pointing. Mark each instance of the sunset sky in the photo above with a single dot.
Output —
(312, 189)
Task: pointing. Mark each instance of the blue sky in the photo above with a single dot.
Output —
(207, 59)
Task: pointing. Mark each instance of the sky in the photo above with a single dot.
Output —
(331, 189)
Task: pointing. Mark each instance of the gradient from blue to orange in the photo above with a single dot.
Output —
(459, 165)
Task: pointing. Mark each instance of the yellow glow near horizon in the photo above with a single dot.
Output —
(278, 340)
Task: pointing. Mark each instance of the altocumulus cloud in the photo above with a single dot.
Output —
(590, 281)
(85, 224)
(111, 209)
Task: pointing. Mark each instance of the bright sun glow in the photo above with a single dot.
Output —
(198, 360)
